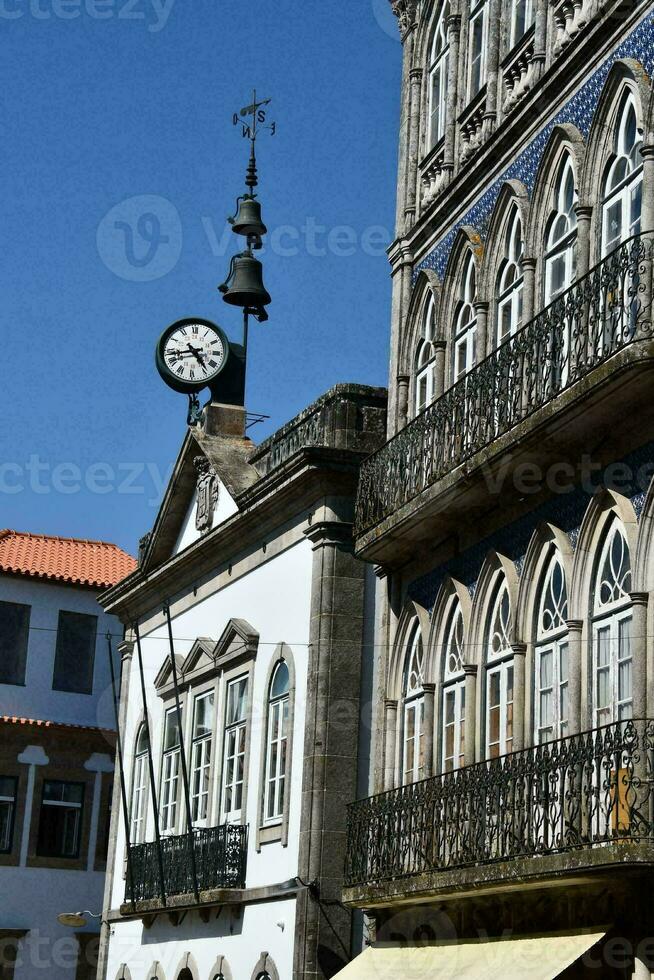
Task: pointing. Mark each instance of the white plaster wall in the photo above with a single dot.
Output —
(224, 509)
(240, 940)
(37, 699)
(275, 599)
(31, 898)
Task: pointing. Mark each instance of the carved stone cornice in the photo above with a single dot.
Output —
(405, 11)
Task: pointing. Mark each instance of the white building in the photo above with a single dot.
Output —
(57, 742)
(270, 615)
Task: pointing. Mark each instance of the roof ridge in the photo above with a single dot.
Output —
(6, 532)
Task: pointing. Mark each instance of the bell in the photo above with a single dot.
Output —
(248, 220)
(245, 284)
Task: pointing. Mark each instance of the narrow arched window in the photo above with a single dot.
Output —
(438, 72)
(477, 46)
(424, 366)
(499, 674)
(139, 787)
(454, 692)
(277, 743)
(510, 280)
(612, 619)
(622, 192)
(170, 772)
(413, 711)
(551, 670)
(561, 235)
(521, 13)
(465, 324)
(201, 756)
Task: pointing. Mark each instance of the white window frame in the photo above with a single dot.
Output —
(170, 778)
(621, 191)
(510, 287)
(235, 736)
(478, 11)
(514, 7)
(551, 641)
(438, 78)
(465, 326)
(277, 745)
(454, 692)
(610, 618)
(561, 244)
(202, 752)
(413, 710)
(74, 806)
(499, 663)
(138, 808)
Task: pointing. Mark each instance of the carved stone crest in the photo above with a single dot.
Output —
(207, 490)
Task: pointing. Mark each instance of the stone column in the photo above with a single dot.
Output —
(440, 348)
(540, 39)
(492, 67)
(428, 730)
(329, 780)
(647, 213)
(454, 36)
(470, 671)
(390, 742)
(32, 756)
(412, 204)
(98, 763)
(481, 310)
(577, 721)
(403, 383)
(639, 602)
(125, 650)
(584, 214)
(519, 695)
(401, 273)
(528, 290)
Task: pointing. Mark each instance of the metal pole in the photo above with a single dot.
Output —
(246, 322)
(185, 782)
(121, 768)
(153, 785)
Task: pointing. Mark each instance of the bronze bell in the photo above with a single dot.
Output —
(248, 220)
(245, 287)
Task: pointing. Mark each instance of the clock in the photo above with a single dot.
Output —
(191, 354)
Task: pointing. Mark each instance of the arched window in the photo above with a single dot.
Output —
(510, 280)
(139, 787)
(465, 324)
(170, 772)
(413, 712)
(454, 692)
(201, 753)
(522, 17)
(551, 670)
(277, 744)
(561, 236)
(612, 617)
(499, 675)
(424, 390)
(477, 46)
(438, 72)
(622, 193)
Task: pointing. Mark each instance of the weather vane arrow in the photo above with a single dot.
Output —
(259, 113)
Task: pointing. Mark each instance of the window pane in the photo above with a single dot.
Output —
(60, 820)
(75, 653)
(203, 724)
(14, 633)
(236, 700)
(171, 736)
(280, 681)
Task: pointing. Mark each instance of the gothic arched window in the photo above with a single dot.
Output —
(454, 692)
(499, 675)
(277, 743)
(510, 280)
(612, 618)
(561, 235)
(438, 72)
(413, 709)
(424, 365)
(465, 324)
(551, 668)
(622, 192)
(139, 787)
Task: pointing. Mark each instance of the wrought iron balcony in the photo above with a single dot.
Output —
(580, 792)
(604, 312)
(220, 862)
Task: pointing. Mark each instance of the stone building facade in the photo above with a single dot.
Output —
(244, 704)
(510, 513)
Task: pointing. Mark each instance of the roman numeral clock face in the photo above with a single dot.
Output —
(191, 354)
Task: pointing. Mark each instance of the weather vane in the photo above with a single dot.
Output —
(259, 115)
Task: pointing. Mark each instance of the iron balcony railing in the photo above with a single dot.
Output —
(600, 314)
(220, 862)
(581, 791)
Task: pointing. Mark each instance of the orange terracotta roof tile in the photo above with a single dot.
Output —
(93, 563)
(40, 723)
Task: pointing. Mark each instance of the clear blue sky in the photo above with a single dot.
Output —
(120, 166)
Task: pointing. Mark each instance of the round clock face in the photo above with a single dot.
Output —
(191, 353)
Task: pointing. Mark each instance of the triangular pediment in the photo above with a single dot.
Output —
(165, 675)
(200, 655)
(238, 639)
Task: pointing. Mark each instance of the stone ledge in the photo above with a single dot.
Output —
(208, 899)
